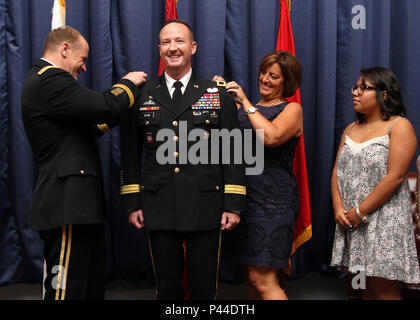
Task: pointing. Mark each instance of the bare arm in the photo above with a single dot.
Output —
(418, 182)
(286, 125)
(337, 202)
(402, 149)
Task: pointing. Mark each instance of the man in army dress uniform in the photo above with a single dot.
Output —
(62, 120)
(180, 200)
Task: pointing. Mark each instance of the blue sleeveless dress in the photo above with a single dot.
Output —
(266, 228)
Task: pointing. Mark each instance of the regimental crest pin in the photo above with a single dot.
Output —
(149, 137)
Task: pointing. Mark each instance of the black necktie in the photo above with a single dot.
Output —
(176, 97)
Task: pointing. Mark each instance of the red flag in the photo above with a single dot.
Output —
(303, 226)
(170, 13)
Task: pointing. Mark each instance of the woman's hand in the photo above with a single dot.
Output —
(353, 218)
(218, 78)
(236, 91)
(340, 217)
(233, 88)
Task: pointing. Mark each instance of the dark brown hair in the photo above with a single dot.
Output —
(290, 68)
(57, 36)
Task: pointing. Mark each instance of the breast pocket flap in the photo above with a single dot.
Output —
(75, 166)
(211, 181)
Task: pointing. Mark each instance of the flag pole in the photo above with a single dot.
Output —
(58, 15)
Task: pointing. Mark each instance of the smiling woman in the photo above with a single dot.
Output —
(283, 71)
(266, 229)
(271, 80)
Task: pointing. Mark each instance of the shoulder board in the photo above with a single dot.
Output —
(40, 72)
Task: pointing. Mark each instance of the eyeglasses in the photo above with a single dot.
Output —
(361, 89)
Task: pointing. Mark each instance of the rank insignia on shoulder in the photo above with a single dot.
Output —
(221, 83)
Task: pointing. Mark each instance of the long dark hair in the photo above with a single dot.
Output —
(384, 79)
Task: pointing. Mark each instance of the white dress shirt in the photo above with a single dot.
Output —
(170, 82)
(48, 61)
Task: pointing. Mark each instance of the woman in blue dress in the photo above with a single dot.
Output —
(266, 228)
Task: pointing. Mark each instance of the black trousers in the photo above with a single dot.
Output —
(202, 254)
(75, 257)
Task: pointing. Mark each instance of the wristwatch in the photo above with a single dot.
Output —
(251, 110)
(364, 218)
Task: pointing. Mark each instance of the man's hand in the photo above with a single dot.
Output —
(136, 77)
(229, 220)
(136, 219)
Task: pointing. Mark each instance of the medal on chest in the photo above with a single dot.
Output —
(208, 101)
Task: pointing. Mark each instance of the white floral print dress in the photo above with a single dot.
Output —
(384, 247)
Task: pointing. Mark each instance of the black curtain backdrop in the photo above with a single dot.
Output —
(332, 42)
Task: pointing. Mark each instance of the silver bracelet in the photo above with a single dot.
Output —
(364, 218)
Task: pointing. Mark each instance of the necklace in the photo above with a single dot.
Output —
(272, 103)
